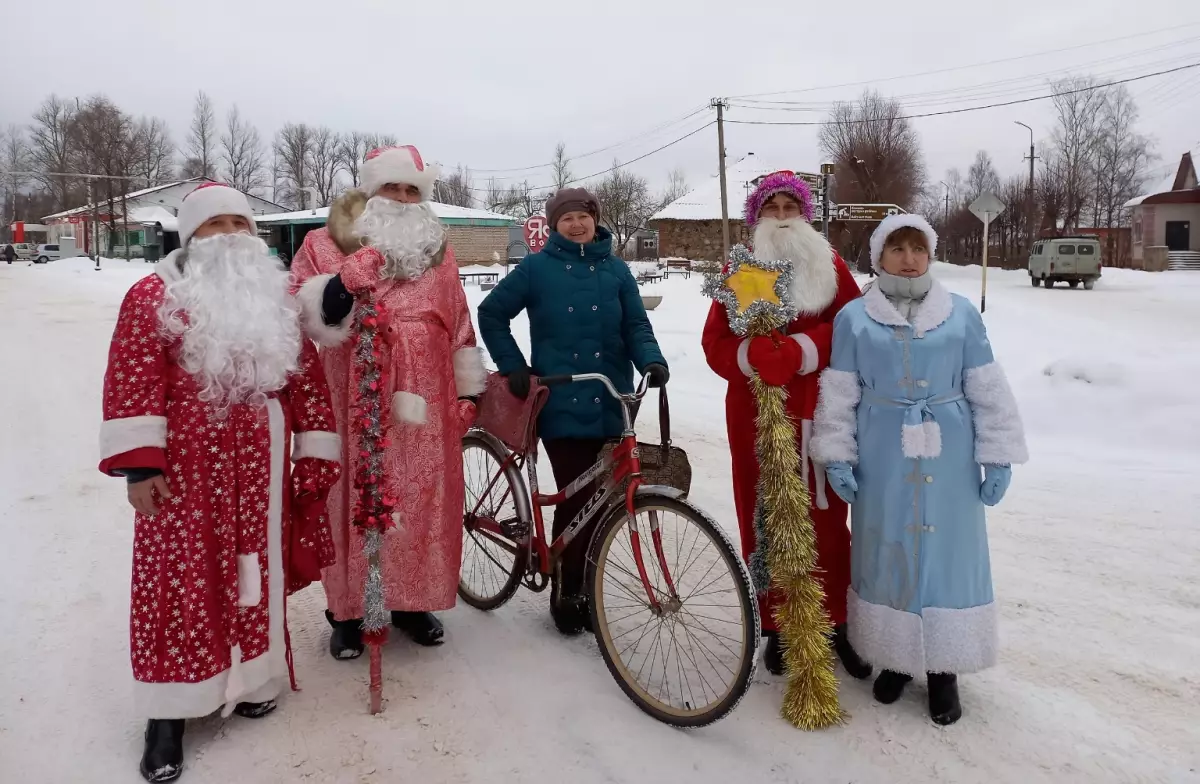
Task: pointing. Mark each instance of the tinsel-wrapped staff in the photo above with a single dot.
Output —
(757, 296)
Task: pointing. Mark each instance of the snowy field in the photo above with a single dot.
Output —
(1095, 552)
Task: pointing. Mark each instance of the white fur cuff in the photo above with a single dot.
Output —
(922, 441)
(118, 436)
(811, 357)
(249, 580)
(999, 434)
(318, 444)
(835, 427)
(409, 408)
(743, 358)
(311, 297)
(470, 376)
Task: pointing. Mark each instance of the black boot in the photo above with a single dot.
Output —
(346, 640)
(944, 707)
(162, 759)
(855, 666)
(422, 627)
(889, 686)
(255, 710)
(773, 656)
(568, 612)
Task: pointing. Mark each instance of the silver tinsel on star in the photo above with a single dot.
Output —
(715, 287)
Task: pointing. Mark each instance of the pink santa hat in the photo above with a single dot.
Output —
(398, 164)
(779, 182)
(208, 201)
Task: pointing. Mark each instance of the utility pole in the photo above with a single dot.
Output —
(719, 104)
(92, 228)
(826, 186)
(946, 224)
(1029, 192)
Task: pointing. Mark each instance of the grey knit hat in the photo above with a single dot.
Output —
(570, 200)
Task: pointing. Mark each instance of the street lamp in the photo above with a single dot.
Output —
(946, 220)
(1029, 190)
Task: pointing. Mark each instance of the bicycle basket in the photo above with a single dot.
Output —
(662, 463)
(507, 416)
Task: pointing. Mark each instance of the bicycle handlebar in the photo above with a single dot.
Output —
(643, 386)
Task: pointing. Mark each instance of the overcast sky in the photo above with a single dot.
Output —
(495, 85)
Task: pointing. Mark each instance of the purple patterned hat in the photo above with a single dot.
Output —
(779, 182)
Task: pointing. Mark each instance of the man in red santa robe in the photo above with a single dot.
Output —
(779, 212)
(208, 379)
(384, 244)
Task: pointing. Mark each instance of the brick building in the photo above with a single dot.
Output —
(1166, 221)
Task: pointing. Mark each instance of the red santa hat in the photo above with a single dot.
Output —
(208, 201)
(399, 164)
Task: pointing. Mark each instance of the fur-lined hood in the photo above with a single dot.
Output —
(343, 214)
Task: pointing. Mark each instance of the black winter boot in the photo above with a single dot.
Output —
(855, 666)
(571, 614)
(889, 686)
(162, 759)
(944, 707)
(346, 641)
(423, 628)
(773, 656)
(255, 710)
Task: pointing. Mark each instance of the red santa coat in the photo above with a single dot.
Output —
(207, 619)
(430, 360)
(727, 356)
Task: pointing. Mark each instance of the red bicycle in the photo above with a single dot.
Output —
(671, 602)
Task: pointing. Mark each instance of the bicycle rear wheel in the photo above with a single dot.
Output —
(690, 662)
(495, 536)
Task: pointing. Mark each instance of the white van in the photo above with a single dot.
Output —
(45, 253)
(1071, 260)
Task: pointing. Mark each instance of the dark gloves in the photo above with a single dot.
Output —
(518, 383)
(658, 374)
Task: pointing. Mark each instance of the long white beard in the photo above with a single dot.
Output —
(814, 276)
(239, 325)
(408, 235)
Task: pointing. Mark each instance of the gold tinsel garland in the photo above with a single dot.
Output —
(811, 699)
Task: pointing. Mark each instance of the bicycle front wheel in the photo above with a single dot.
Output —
(495, 538)
(689, 661)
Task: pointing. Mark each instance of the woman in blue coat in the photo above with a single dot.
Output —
(918, 429)
(585, 316)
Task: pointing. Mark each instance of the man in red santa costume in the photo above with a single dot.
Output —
(208, 380)
(384, 245)
(779, 212)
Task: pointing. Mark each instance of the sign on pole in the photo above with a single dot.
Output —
(537, 232)
(986, 208)
(866, 212)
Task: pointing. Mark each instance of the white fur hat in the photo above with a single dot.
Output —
(400, 164)
(208, 201)
(893, 223)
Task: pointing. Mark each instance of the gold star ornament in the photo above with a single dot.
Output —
(753, 291)
(753, 284)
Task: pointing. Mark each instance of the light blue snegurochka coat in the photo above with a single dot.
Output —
(918, 409)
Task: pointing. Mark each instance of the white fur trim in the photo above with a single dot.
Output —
(812, 357)
(999, 434)
(820, 500)
(931, 314)
(922, 441)
(118, 436)
(835, 431)
(168, 269)
(311, 297)
(209, 201)
(262, 677)
(939, 640)
(249, 580)
(397, 165)
(470, 376)
(318, 444)
(409, 408)
(893, 222)
(743, 358)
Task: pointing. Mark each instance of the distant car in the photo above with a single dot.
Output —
(46, 253)
(1070, 260)
(24, 250)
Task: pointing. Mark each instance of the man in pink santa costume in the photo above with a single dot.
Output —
(208, 379)
(779, 211)
(384, 245)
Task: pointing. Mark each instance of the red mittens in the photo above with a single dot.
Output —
(776, 358)
(361, 270)
(310, 542)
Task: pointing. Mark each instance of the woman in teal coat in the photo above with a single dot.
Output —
(585, 316)
(918, 430)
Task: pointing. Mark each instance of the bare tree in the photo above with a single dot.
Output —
(103, 144)
(376, 140)
(677, 186)
(325, 161)
(353, 151)
(982, 177)
(14, 157)
(242, 154)
(293, 151)
(1078, 106)
(202, 138)
(153, 151)
(51, 149)
(519, 201)
(455, 188)
(625, 203)
(562, 167)
(1122, 157)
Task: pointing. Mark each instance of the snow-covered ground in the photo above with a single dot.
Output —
(1095, 553)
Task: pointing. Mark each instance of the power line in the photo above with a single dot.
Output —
(977, 108)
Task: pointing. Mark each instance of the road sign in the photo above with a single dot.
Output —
(536, 232)
(986, 207)
(866, 212)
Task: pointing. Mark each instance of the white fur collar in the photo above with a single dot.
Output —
(168, 268)
(932, 313)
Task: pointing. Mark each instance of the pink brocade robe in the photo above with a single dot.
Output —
(429, 361)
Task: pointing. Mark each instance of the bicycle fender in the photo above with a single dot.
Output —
(673, 493)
